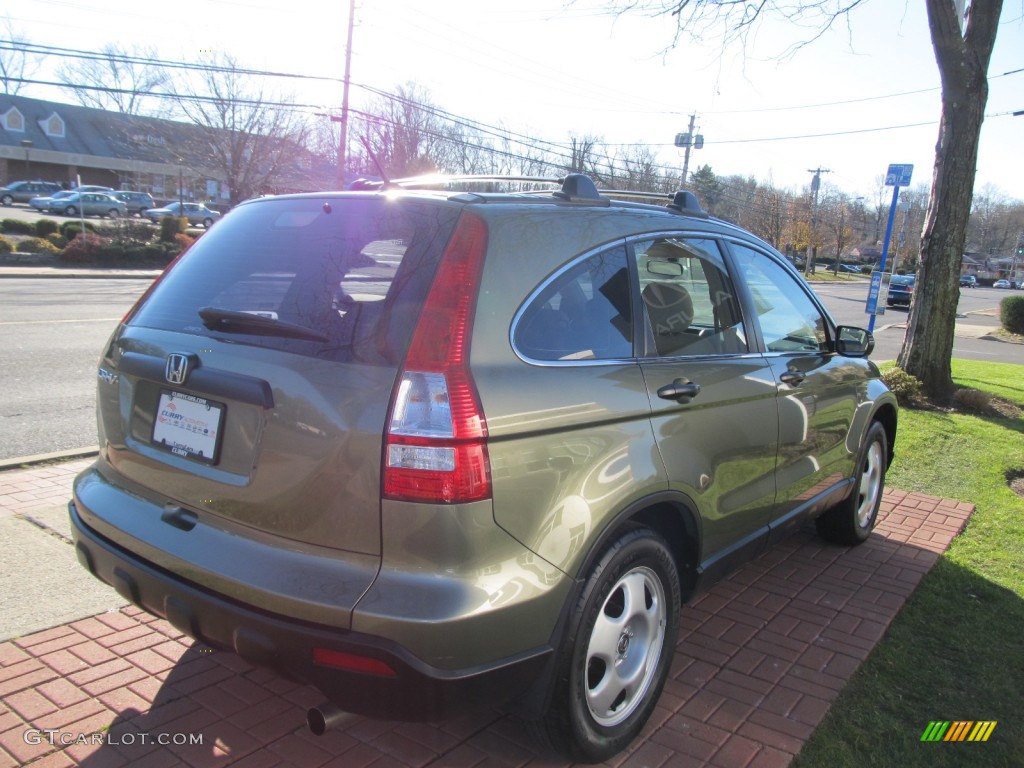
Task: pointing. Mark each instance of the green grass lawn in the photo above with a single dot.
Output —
(956, 650)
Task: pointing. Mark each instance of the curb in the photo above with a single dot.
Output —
(24, 462)
(35, 273)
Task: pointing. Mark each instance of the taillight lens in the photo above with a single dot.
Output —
(435, 447)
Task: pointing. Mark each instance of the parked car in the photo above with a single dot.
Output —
(23, 191)
(851, 268)
(901, 290)
(88, 204)
(42, 203)
(196, 213)
(136, 202)
(968, 281)
(432, 450)
(1001, 284)
(94, 188)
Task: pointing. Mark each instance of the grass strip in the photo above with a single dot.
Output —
(956, 650)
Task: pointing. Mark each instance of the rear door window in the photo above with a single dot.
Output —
(688, 299)
(338, 279)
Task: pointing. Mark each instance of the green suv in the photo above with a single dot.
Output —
(430, 448)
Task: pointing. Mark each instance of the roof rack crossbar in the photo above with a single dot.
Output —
(440, 179)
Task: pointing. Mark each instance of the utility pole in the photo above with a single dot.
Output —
(815, 187)
(343, 140)
(689, 141)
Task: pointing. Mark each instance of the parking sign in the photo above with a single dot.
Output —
(899, 175)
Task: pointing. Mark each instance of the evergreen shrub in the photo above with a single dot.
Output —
(1011, 312)
(46, 227)
(17, 227)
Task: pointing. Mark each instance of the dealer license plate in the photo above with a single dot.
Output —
(188, 426)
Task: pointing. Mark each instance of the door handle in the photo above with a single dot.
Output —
(680, 390)
(793, 378)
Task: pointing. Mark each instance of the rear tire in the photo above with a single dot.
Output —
(616, 655)
(850, 522)
(71, 211)
(207, 223)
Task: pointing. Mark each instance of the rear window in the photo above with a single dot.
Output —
(340, 279)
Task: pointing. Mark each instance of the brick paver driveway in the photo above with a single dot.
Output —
(760, 658)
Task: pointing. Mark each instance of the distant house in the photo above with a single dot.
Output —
(72, 144)
(866, 254)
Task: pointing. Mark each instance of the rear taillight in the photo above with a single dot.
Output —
(435, 446)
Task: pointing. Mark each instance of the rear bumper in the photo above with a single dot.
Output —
(412, 691)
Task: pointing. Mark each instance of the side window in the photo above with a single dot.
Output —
(584, 313)
(790, 321)
(688, 299)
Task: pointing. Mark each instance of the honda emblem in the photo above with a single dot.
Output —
(177, 368)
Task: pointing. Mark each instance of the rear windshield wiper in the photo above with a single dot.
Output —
(233, 321)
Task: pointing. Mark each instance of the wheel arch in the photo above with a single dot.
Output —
(672, 516)
(887, 416)
(669, 514)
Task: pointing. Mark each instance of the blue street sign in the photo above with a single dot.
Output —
(878, 294)
(899, 175)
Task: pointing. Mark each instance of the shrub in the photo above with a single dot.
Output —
(132, 231)
(972, 400)
(17, 227)
(46, 227)
(58, 240)
(36, 245)
(83, 249)
(171, 226)
(907, 388)
(184, 240)
(1011, 312)
(6, 246)
(72, 228)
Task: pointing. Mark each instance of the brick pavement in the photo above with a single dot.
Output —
(760, 659)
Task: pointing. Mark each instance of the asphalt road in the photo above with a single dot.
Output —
(52, 332)
(51, 335)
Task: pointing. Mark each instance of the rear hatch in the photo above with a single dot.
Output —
(252, 383)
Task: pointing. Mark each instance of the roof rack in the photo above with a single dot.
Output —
(439, 179)
(681, 200)
(575, 187)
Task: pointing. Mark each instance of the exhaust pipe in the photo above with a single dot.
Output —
(325, 717)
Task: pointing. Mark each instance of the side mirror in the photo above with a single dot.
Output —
(854, 342)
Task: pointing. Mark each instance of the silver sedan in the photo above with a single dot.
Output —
(89, 204)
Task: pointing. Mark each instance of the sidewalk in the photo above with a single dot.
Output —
(87, 681)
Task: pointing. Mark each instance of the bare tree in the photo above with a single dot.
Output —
(403, 132)
(834, 218)
(995, 222)
(636, 167)
(256, 142)
(963, 49)
(115, 79)
(583, 158)
(16, 63)
(769, 221)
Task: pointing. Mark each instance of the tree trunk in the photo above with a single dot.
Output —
(963, 61)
